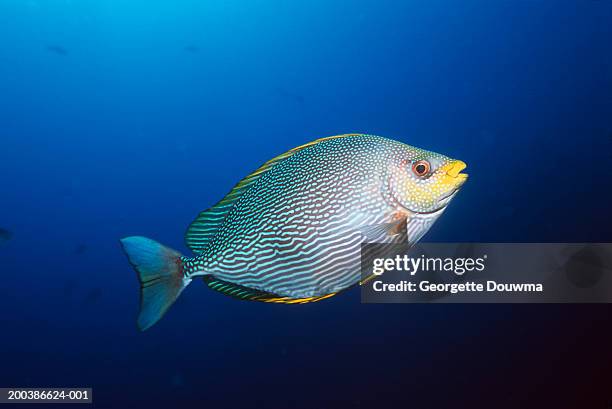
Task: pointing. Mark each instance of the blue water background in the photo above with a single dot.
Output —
(129, 117)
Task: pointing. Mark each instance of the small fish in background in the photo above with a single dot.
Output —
(291, 232)
(192, 49)
(290, 95)
(5, 235)
(57, 49)
(81, 249)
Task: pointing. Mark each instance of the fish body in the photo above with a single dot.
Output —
(291, 232)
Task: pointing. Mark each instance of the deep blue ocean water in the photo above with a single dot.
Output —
(129, 117)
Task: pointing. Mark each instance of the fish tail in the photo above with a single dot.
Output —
(161, 275)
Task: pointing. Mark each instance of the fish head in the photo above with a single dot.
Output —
(424, 182)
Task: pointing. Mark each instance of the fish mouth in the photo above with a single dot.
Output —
(455, 168)
(454, 178)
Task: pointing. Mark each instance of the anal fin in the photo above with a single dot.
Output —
(249, 294)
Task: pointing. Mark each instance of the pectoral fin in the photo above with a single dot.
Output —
(394, 231)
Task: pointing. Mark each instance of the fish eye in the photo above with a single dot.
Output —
(421, 168)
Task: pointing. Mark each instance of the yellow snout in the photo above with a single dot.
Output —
(453, 172)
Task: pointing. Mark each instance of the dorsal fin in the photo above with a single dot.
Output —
(204, 227)
(244, 293)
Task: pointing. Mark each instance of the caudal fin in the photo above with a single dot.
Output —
(160, 272)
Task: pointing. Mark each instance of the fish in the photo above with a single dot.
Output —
(192, 48)
(291, 231)
(57, 49)
(5, 235)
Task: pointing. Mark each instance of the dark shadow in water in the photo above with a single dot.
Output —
(586, 267)
(81, 249)
(5, 235)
